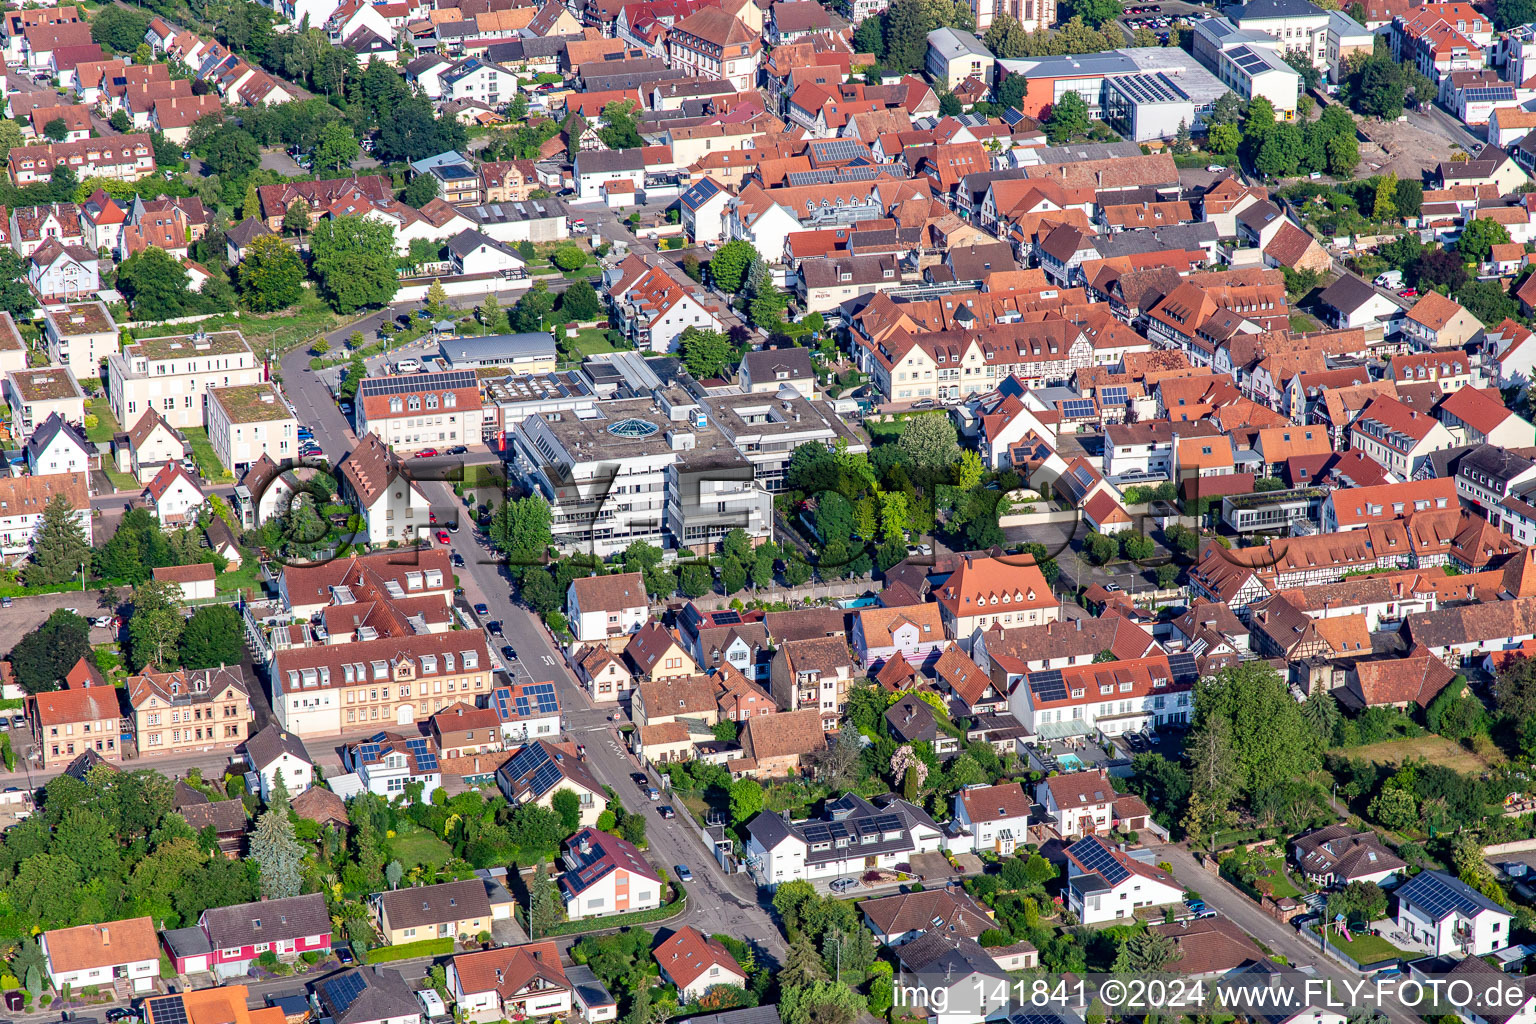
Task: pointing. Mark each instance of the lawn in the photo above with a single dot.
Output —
(414, 846)
(1301, 323)
(1434, 749)
(208, 463)
(122, 481)
(281, 330)
(106, 423)
(247, 577)
(589, 341)
(1364, 949)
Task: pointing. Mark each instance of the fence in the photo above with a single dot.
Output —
(809, 591)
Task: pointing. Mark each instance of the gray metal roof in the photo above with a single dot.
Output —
(495, 348)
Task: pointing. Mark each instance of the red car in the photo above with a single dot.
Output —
(427, 453)
(442, 536)
(1408, 293)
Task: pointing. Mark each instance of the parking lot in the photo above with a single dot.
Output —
(1159, 15)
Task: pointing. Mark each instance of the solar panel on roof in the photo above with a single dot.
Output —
(450, 379)
(1183, 666)
(1115, 394)
(1077, 407)
(343, 991)
(727, 618)
(817, 834)
(1048, 685)
(1095, 856)
(168, 1010)
(888, 822)
(426, 760)
(545, 777)
(525, 761)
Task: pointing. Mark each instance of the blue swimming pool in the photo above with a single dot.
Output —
(1070, 762)
(859, 602)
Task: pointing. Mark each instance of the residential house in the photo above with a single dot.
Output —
(813, 674)
(461, 729)
(512, 983)
(600, 607)
(696, 963)
(1336, 855)
(914, 632)
(387, 763)
(605, 874)
(190, 710)
(173, 495)
(526, 711)
(248, 421)
(289, 927)
(368, 995)
(1084, 803)
(58, 447)
(777, 745)
(394, 508)
(899, 919)
(539, 770)
(449, 910)
(84, 715)
(780, 850)
(1450, 916)
(1436, 322)
(275, 752)
(1105, 883)
(103, 955)
(995, 818)
(986, 591)
(79, 336)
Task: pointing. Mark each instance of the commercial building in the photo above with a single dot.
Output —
(519, 354)
(610, 473)
(412, 411)
(174, 375)
(247, 422)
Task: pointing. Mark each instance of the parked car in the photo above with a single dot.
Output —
(509, 652)
(494, 628)
(639, 779)
(457, 449)
(5, 602)
(482, 609)
(652, 793)
(844, 884)
(666, 811)
(344, 955)
(346, 408)
(118, 1013)
(427, 453)
(456, 559)
(442, 536)
(682, 872)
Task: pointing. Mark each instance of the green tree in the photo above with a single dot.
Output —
(1394, 808)
(44, 656)
(908, 23)
(728, 267)
(1145, 953)
(1093, 12)
(695, 581)
(1488, 301)
(271, 276)
(567, 804)
(337, 146)
(1321, 712)
(119, 29)
(930, 440)
(1224, 139)
(419, 191)
(15, 296)
(1281, 151)
(1099, 548)
(1410, 198)
(56, 129)
(230, 152)
(620, 128)
(492, 315)
(60, 551)
(706, 353)
(277, 854)
(569, 257)
(354, 260)
(1259, 121)
(1479, 237)
(580, 302)
(155, 285)
(822, 1002)
(1068, 120)
(214, 636)
(746, 800)
(155, 625)
(521, 529)
(1269, 738)
(949, 105)
(296, 217)
(1005, 37)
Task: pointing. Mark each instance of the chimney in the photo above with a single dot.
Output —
(1103, 772)
(586, 845)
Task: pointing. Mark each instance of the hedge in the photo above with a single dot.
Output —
(602, 924)
(410, 950)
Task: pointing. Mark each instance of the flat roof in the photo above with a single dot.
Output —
(81, 318)
(188, 346)
(252, 403)
(48, 384)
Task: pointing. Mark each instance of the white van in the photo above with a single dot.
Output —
(1389, 279)
(408, 366)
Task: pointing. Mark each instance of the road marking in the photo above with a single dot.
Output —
(548, 660)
